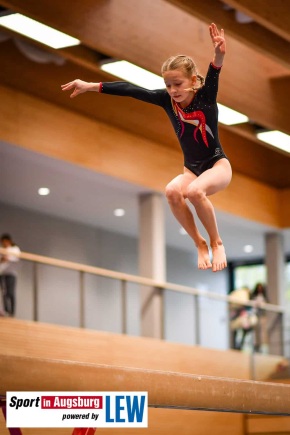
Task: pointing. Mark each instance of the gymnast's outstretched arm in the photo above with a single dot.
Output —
(124, 89)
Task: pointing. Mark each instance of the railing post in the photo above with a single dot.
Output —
(82, 299)
(35, 291)
(230, 340)
(281, 325)
(253, 371)
(162, 312)
(124, 305)
(197, 319)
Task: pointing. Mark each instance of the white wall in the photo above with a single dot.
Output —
(59, 289)
(180, 309)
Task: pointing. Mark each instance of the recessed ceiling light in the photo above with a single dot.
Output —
(37, 31)
(248, 249)
(119, 212)
(43, 191)
(182, 231)
(243, 18)
(276, 139)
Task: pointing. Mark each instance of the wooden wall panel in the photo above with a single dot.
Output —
(268, 425)
(250, 199)
(247, 155)
(48, 129)
(22, 338)
(63, 134)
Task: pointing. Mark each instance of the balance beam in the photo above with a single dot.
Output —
(165, 389)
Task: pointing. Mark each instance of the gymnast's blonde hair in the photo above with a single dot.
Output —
(185, 64)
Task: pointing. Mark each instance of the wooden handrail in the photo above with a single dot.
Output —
(140, 280)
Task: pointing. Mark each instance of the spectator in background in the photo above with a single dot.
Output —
(242, 318)
(8, 273)
(259, 295)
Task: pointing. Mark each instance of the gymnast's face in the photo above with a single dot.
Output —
(179, 86)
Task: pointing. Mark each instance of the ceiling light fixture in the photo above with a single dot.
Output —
(141, 77)
(248, 249)
(119, 212)
(276, 138)
(133, 74)
(229, 116)
(43, 191)
(243, 18)
(37, 31)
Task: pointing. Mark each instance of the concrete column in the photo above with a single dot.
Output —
(275, 263)
(152, 262)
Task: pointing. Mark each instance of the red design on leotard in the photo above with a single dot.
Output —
(193, 116)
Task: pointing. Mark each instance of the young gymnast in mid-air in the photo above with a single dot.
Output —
(190, 102)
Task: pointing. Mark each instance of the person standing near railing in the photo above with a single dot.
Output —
(259, 295)
(242, 318)
(8, 273)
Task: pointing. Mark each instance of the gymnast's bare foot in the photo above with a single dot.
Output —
(219, 261)
(203, 256)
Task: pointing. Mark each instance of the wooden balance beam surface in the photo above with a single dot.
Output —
(165, 389)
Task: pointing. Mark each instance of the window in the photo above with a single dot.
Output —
(250, 275)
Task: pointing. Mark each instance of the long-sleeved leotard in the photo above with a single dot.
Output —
(196, 125)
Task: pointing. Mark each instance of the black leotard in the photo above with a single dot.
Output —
(196, 125)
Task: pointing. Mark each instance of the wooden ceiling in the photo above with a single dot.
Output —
(255, 79)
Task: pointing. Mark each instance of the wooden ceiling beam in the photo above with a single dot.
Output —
(88, 20)
(82, 56)
(247, 155)
(274, 15)
(108, 26)
(280, 89)
(252, 34)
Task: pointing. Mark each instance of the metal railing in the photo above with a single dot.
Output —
(124, 279)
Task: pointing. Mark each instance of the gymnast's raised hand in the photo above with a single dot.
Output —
(219, 43)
